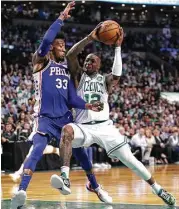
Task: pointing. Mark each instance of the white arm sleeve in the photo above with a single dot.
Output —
(117, 64)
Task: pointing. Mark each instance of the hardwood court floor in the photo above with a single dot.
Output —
(123, 185)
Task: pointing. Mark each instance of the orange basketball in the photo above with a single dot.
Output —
(109, 32)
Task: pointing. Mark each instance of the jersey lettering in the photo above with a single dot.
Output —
(92, 90)
(58, 71)
(93, 86)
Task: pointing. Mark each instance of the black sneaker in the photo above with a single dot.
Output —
(168, 198)
(61, 183)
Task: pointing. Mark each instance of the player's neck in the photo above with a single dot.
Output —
(58, 60)
(92, 75)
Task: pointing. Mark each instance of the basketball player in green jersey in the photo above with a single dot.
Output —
(92, 127)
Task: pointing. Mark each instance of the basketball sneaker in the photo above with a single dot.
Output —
(102, 194)
(18, 200)
(61, 183)
(168, 198)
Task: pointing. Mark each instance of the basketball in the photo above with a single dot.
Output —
(109, 32)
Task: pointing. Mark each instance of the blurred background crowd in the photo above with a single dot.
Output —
(150, 66)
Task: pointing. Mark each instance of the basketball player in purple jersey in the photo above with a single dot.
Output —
(55, 95)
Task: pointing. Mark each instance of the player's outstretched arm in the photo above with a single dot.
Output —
(77, 102)
(40, 56)
(72, 54)
(113, 78)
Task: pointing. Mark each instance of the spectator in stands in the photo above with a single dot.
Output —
(139, 144)
(150, 140)
(174, 143)
(165, 133)
(159, 150)
(24, 132)
(12, 113)
(8, 135)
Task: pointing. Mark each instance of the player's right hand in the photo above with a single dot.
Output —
(96, 106)
(65, 14)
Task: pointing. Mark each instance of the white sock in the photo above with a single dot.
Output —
(20, 171)
(66, 170)
(156, 187)
(97, 189)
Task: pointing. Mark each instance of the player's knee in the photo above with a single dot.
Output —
(67, 133)
(28, 172)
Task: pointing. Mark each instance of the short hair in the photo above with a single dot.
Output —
(60, 35)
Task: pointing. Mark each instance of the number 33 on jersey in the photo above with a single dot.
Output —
(54, 93)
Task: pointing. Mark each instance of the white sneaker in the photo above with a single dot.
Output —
(15, 176)
(106, 165)
(18, 200)
(96, 165)
(103, 165)
(109, 165)
(102, 194)
(61, 183)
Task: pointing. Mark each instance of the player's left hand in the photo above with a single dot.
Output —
(93, 34)
(96, 106)
(65, 14)
(121, 37)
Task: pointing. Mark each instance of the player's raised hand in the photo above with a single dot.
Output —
(96, 106)
(93, 34)
(121, 37)
(65, 14)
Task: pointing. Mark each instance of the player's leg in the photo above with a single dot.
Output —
(17, 175)
(92, 185)
(49, 149)
(39, 142)
(125, 155)
(62, 183)
(69, 133)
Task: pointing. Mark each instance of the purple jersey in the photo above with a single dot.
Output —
(51, 90)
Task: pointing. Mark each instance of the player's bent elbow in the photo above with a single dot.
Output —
(69, 55)
(115, 79)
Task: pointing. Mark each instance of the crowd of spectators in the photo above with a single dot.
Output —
(93, 13)
(151, 123)
(24, 40)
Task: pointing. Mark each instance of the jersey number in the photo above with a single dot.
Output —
(61, 83)
(92, 98)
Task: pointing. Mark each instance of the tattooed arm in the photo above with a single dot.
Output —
(72, 55)
(72, 58)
